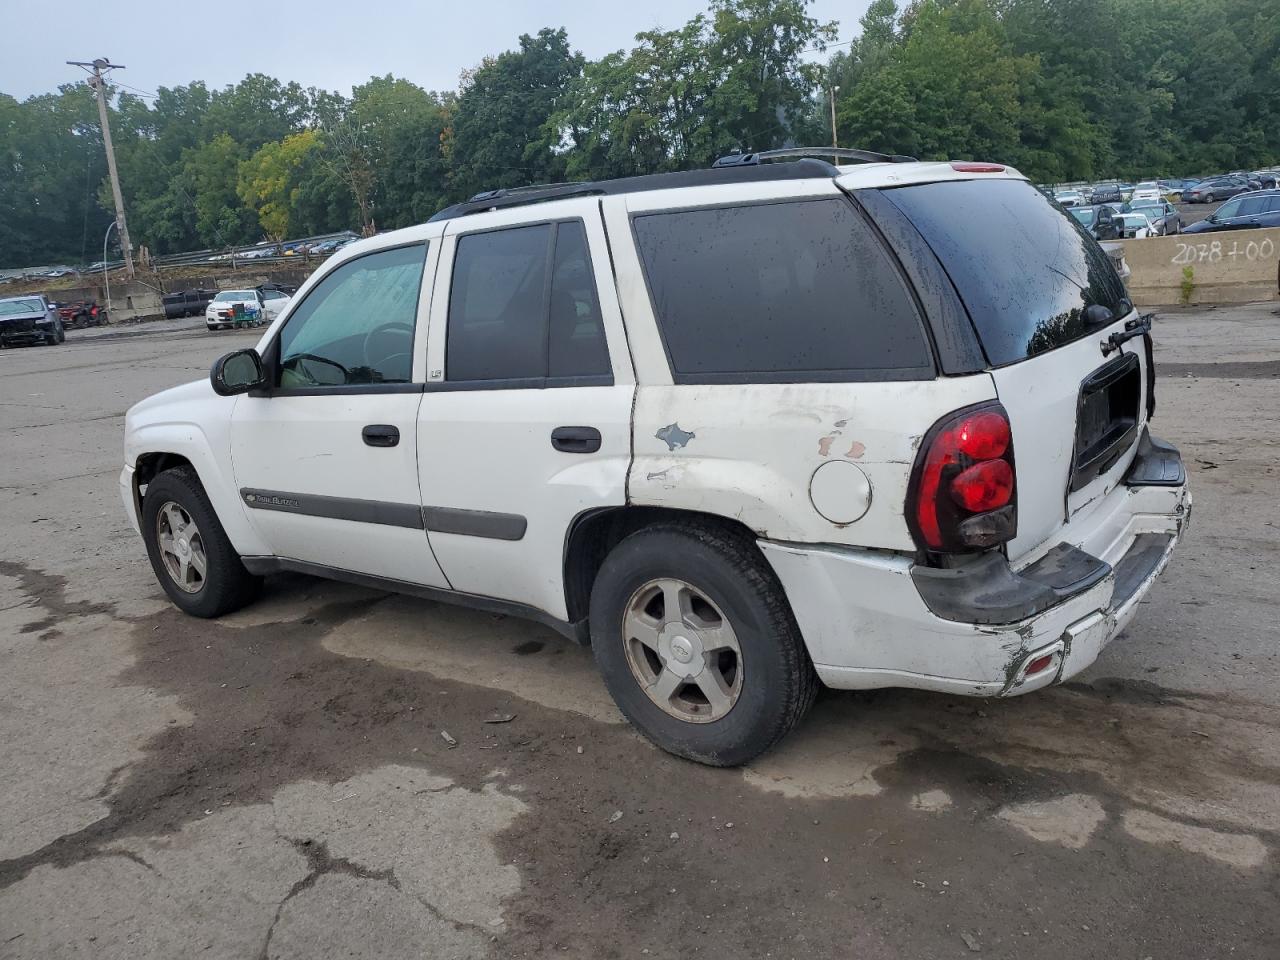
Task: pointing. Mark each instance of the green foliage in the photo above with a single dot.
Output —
(269, 181)
(499, 135)
(1063, 89)
(1188, 285)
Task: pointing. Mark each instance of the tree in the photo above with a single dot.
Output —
(499, 135)
(213, 171)
(270, 181)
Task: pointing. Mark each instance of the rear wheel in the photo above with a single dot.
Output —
(697, 643)
(192, 558)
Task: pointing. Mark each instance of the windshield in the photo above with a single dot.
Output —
(1134, 220)
(226, 295)
(1147, 186)
(13, 308)
(1085, 215)
(1025, 270)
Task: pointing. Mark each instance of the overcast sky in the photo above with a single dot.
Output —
(323, 43)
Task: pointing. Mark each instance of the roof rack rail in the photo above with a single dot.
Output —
(841, 153)
(740, 173)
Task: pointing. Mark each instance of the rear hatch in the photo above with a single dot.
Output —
(1043, 298)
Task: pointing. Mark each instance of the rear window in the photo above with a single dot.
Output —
(1025, 269)
(780, 292)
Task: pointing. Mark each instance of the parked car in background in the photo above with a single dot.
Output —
(30, 319)
(232, 308)
(82, 313)
(1133, 226)
(1106, 193)
(1249, 211)
(1267, 179)
(1070, 198)
(1098, 220)
(1163, 215)
(187, 303)
(1211, 191)
(1147, 190)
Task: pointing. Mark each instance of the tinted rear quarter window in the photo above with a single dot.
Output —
(779, 292)
(1025, 269)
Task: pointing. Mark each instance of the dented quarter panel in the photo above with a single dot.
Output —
(748, 451)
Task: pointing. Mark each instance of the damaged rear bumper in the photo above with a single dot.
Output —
(872, 619)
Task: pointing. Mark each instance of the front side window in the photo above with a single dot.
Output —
(356, 326)
(1251, 206)
(1228, 210)
(523, 307)
(793, 292)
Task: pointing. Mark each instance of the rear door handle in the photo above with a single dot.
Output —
(381, 435)
(576, 439)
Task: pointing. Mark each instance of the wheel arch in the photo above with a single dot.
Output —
(151, 455)
(594, 533)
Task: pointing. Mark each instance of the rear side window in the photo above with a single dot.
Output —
(781, 292)
(1025, 269)
(523, 307)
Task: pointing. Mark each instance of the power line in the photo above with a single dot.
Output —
(137, 90)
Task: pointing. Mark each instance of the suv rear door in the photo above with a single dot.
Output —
(525, 423)
(1043, 297)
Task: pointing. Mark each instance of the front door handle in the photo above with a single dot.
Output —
(381, 435)
(576, 439)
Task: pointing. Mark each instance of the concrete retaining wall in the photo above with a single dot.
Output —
(1228, 266)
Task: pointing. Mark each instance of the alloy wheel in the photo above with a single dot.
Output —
(181, 547)
(682, 651)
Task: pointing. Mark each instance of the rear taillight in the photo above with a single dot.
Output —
(963, 489)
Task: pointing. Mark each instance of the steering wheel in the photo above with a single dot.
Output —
(394, 329)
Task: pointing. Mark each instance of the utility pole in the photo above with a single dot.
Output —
(835, 141)
(96, 69)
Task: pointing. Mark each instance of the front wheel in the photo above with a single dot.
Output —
(192, 558)
(697, 643)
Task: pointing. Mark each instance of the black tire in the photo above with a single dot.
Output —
(778, 681)
(227, 585)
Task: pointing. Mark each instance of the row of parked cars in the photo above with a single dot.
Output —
(298, 248)
(1139, 217)
(1187, 190)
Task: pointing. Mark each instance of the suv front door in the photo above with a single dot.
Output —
(326, 458)
(526, 419)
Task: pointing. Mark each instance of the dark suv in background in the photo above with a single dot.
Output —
(1249, 211)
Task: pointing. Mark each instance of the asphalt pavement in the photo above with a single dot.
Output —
(278, 783)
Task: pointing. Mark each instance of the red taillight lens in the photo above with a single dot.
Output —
(965, 470)
(984, 486)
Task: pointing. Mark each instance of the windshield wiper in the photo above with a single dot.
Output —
(1132, 329)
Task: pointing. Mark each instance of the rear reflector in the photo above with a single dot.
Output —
(970, 167)
(1038, 665)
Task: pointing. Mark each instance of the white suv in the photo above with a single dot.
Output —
(742, 430)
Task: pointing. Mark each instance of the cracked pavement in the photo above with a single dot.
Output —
(277, 784)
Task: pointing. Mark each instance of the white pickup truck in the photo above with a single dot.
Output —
(743, 430)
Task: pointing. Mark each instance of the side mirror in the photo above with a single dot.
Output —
(237, 372)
